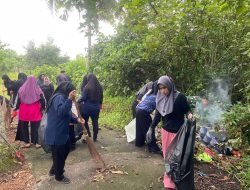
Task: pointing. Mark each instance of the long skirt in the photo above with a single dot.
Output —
(167, 138)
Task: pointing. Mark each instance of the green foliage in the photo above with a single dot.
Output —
(192, 41)
(91, 11)
(74, 69)
(237, 123)
(7, 159)
(48, 70)
(241, 170)
(45, 54)
(9, 60)
(116, 112)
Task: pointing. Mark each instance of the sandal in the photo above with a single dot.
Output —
(28, 145)
(38, 146)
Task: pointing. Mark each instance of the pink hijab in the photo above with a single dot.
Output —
(30, 92)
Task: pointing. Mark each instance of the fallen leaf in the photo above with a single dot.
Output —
(224, 179)
(117, 172)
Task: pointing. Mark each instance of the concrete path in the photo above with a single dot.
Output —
(141, 170)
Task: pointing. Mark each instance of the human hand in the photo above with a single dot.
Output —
(190, 116)
(149, 135)
(81, 121)
(72, 95)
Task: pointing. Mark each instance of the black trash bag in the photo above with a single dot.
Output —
(41, 134)
(179, 157)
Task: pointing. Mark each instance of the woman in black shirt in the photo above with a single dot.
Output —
(171, 107)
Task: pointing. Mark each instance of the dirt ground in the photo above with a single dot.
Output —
(128, 168)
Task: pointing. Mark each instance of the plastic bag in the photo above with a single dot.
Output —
(179, 157)
(130, 131)
(41, 134)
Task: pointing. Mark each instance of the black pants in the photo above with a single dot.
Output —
(59, 155)
(133, 106)
(143, 122)
(72, 137)
(94, 117)
(23, 131)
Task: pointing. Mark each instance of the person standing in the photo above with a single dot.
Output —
(8, 84)
(47, 88)
(91, 103)
(59, 116)
(171, 107)
(40, 80)
(30, 102)
(62, 77)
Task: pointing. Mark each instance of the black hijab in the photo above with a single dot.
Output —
(64, 89)
(6, 80)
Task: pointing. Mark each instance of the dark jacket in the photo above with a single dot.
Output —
(59, 116)
(48, 91)
(87, 106)
(15, 87)
(173, 121)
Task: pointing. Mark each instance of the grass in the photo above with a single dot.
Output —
(116, 112)
(7, 158)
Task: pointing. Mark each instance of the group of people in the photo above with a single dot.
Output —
(156, 101)
(166, 104)
(33, 99)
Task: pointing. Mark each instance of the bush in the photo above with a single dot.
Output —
(237, 122)
(7, 159)
(116, 112)
(74, 69)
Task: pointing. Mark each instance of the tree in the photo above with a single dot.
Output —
(90, 11)
(46, 53)
(9, 59)
(192, 41)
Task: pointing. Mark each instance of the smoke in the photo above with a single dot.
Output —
(212, 108)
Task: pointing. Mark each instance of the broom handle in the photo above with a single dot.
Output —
(77, 109)
(79, 115)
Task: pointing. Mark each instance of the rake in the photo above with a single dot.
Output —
(91, 146)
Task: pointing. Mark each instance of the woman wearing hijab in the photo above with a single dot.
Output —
(171, 107)
(59, 115)
(139, 96)
(40, 80)
(30, 102)
(47, 88)
(7, 83)
(91, 102)
(16, 85)
(144, 120)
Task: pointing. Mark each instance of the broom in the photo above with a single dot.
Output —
(91, 146)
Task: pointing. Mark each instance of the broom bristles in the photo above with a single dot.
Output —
(91, 146)
(93, 151)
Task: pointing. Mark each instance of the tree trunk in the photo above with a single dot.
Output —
(89, 47)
